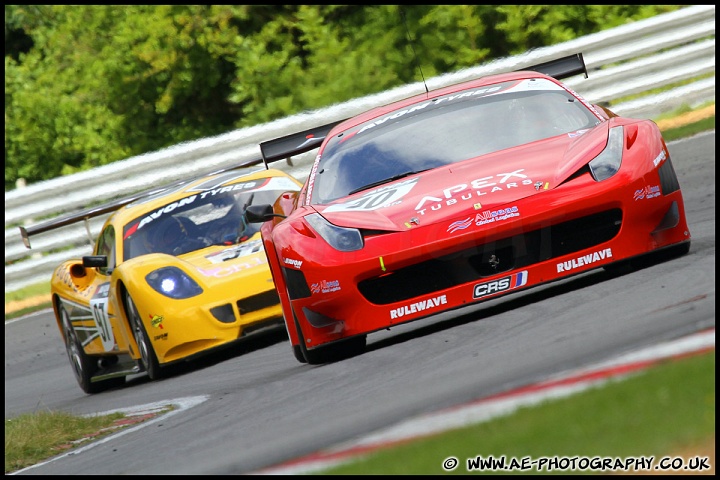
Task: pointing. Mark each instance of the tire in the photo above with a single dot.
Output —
(669, 253)
(148, 358)
(83, 365)
(679, 250)
(339, 350)
(299, 356)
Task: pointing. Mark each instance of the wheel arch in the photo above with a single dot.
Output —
(55, 301)
(279, 282)
(122, 295)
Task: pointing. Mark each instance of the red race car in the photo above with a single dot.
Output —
(460, 195)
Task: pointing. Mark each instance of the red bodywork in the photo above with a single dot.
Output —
(473, 230)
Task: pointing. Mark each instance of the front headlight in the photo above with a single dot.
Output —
(340, 238)
(608, 162)
(173, 282)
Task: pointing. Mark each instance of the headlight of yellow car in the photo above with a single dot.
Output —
(173, 282)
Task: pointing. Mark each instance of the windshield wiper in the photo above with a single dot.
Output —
(387, 180)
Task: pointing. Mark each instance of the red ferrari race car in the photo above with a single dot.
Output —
(461, 195)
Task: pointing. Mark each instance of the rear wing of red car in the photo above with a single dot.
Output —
(560, 68)
(295, 143)
(306, 140)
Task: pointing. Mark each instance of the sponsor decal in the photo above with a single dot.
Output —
(83, 290)
(227, 270)
(162, 336)
(166, 209)
(647, 192)
(236, 251)
(416, 307)
(661, 156)
(213, 187)
(325, 286)
(229, 188)
(156, 321)
(434, 103)
(219, 183)
(577, 133)
(475, 188)
(483, 218)
(584, 260)
(382, 197)
(293, 262)
(460, 225)
(311, 179)
(500, 285)
(263, 184)
(492, 216)
(64, 277)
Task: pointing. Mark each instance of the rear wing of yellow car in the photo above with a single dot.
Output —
(560, 68)
(306, 140)
(92, 212)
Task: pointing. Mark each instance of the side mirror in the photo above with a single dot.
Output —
(95, 261)
(260, 213)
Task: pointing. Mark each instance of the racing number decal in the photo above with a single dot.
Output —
(100, 316)
(371, 202)
(99, 310)
(381, 197)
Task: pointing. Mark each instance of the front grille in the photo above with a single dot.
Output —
(258, 302)
(506, 254)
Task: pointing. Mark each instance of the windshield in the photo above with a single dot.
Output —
(202, 219)
(446, 130)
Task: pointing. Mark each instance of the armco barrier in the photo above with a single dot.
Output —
(626, 61)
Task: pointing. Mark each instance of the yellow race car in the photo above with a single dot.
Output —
(173, 275)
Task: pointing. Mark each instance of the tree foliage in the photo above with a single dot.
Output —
(89, 85)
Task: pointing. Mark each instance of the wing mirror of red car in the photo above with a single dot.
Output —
(260, 213)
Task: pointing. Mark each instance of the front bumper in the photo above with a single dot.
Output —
(404, 276)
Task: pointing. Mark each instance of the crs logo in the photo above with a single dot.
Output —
(500, 285)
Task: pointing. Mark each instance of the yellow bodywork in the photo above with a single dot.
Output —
(232, 277)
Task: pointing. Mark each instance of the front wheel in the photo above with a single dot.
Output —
(340, 350)
(298, 353)
(83, 365)
(148, 358)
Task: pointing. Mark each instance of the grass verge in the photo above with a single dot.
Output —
(669, 410)
(33, 437)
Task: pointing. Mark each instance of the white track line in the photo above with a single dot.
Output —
(562, 385)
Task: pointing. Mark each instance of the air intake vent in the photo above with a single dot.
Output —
(492, 258)
(258, 302)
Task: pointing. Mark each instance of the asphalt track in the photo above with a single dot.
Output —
(255, 408)
(562, 385)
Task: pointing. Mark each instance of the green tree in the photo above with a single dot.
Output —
(89, 85)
